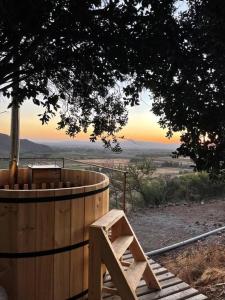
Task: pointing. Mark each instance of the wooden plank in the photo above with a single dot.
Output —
(108, 220)
(68, 184)
(8, 224)
(198, 297)
(121, 244)
(60, 184)
(26, 242)
(76, 271)
(135, 272)
(142, 289)
(62, 276)
(26, 223)
(101, 202)
(160, 271)
(169, 282)
(43, 185)
(45, 221)
(8, 244)
(116, 231)
(26, 278)
(45, 277)
(164, 293)
(155, 266)
(93, 210)
(62, 237)
(108, 290)
(33, 186)
(95, 266)
(105, 202)
(62, 222)
(180, 295)
(77, 217)
(45, 217)
(165, 276)
(85, 267)
(77, 236)
(26, 186)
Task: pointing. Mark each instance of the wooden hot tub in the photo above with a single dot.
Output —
(44, 233)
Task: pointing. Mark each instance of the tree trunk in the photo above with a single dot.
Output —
(15, 142)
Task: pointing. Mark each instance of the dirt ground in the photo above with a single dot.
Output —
(159, 227)
(162, 226)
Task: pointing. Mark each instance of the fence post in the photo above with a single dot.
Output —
(63, 162)
(124, 191)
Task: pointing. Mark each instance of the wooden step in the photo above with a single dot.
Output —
(126, 274)
(198, 297)
(134, 273)
(109, 219)
(121, 244)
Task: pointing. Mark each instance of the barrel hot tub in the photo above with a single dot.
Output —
(44, 232)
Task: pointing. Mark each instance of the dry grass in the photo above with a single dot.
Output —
(203, 268)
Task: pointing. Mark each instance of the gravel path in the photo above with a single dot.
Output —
(159, 227)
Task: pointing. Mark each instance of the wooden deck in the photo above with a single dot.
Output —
(173, 288)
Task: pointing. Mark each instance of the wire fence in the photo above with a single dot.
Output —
(118, 180)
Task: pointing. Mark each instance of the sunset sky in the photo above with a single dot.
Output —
(142, 124)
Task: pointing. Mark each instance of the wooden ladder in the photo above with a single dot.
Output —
(110, 237)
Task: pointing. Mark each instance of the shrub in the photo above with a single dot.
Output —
(155, 192)
(188, 187)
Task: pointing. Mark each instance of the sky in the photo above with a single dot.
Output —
(142, 124)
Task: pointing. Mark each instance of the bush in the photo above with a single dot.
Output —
(188, 187)
(155, 192)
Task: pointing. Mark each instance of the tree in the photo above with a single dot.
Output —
(139, 174)
(92, 59)
(84, 54)
(188, 83)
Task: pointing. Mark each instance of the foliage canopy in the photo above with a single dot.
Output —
(189, 89)
(96, 56)
(85, 54)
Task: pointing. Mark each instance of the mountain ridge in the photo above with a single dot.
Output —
(125, 144)
(25, 146)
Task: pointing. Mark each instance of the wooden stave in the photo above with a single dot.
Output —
(39, 264)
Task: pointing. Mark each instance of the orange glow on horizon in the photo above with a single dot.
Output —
(35, 131)
(142, 126)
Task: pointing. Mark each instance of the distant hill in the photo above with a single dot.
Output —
(26, 146)
(125, 144)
